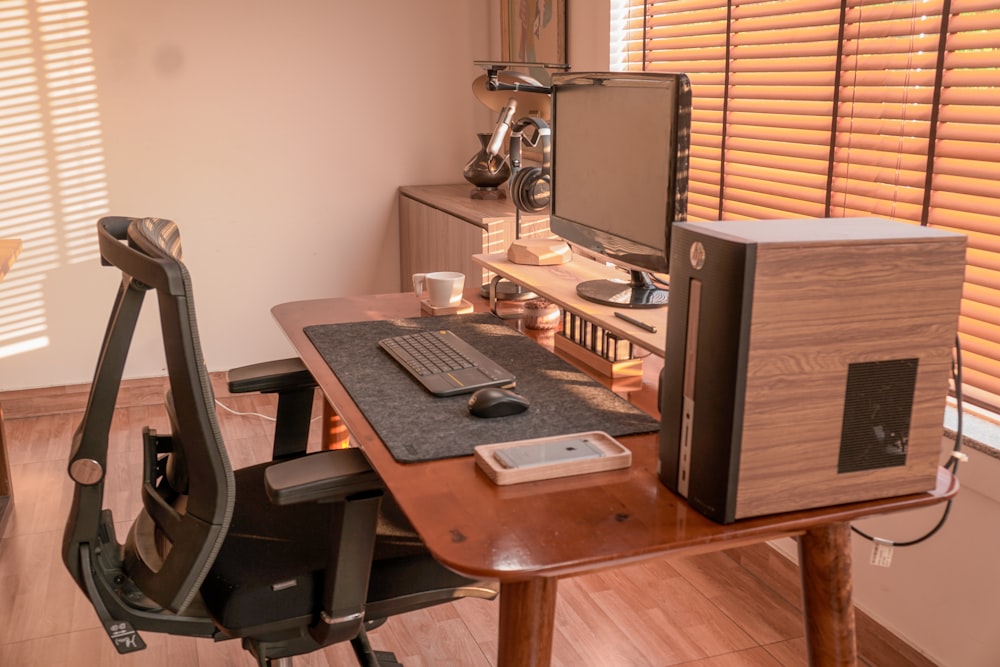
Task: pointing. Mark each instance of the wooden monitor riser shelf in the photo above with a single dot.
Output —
(9, 250)
(558, 285)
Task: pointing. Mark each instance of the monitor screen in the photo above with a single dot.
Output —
(620, 143)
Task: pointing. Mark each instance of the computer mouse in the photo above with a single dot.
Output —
(496, 402)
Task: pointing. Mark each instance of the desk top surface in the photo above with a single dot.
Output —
(552, 527)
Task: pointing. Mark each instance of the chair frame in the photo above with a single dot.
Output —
(125, 591)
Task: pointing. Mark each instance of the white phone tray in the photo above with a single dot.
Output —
(616, 456)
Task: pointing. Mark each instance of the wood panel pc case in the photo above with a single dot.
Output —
(808, 362)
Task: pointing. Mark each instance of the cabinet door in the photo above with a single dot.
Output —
(432, 240)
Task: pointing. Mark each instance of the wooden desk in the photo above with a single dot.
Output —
(9, 250)
(527, 536)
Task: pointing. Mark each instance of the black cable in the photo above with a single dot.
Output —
(909, 543)
(951, 465)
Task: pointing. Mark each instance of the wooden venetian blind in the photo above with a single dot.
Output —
(836, 108)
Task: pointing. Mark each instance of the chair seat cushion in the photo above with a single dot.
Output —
(269, 568)
(269, 571)
(405, 576)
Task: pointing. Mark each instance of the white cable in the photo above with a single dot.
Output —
(252, 414)
(243, 414)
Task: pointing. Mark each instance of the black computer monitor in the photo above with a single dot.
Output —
(620, 144)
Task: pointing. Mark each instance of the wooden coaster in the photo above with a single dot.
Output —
(461, 309)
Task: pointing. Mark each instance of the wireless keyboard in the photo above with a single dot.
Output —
(445, 364)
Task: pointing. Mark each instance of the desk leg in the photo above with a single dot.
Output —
(825, 560)
(334, 432)
(527, 619)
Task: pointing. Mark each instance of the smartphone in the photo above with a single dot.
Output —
(543, 453)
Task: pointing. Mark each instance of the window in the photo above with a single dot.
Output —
(836, 108)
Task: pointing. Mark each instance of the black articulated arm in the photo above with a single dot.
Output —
(295, 387)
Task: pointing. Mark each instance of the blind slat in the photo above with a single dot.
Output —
(790, 122)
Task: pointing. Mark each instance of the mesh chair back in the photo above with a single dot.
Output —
(188, 489)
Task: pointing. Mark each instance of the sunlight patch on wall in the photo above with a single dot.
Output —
(53, 183)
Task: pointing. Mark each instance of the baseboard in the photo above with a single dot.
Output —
(878, 646)
(25, 403)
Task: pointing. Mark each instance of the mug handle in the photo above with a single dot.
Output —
(419, 280)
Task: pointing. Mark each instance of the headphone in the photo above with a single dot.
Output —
(530, 189)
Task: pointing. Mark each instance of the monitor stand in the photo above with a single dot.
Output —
(508, 291)
(638, 292)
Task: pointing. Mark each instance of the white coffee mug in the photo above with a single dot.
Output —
(444, 288)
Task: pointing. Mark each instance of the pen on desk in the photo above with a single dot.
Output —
(631, 320)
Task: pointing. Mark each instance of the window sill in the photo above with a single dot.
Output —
(981, 443)
(980, 429)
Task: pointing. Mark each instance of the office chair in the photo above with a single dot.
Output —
(288, 555)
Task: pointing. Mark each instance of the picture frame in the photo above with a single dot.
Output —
(533, 31)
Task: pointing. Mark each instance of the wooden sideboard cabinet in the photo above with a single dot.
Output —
(441, 228)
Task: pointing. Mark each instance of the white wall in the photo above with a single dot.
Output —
(942, 595)
(274, 133)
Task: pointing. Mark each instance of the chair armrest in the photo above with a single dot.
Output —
(326, 476)
(271, 376)
(295, 387)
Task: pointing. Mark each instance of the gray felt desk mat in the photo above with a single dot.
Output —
(417, 426)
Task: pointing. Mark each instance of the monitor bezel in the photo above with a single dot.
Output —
(622, 251)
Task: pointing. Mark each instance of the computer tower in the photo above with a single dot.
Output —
(807, 362)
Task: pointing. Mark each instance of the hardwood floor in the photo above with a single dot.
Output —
(733, 608)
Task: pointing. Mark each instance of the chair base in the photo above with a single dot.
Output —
(382, 658)
(387, 659)
(368, 657)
